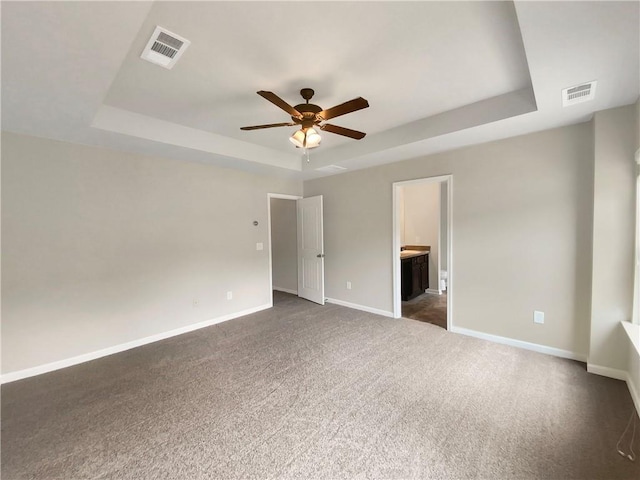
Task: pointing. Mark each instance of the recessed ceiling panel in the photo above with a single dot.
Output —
(410, 60)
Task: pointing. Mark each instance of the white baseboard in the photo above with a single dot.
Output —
(433, 291)
(634, 390)
(556, 352)
(364, 308)
(49, 367)
(286, 290)
(607, 371)
(618, 375)
(633, 330)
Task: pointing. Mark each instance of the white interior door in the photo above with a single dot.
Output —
(310, 250)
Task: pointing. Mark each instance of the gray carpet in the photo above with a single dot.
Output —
(303, 391)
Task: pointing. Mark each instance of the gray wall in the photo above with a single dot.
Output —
(102, 247)
(613, 235)
(522, 223)
(284, 246)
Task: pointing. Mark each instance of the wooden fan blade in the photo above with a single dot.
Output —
(346, 132)
(344, 108)
(277, 101)
(270, 125)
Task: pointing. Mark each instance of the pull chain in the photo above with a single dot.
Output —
(632, 455)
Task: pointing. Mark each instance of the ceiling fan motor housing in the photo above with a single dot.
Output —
(309, 113)
(308, 110)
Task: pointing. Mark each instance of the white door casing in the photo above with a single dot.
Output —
(310, 249)
(396, 242)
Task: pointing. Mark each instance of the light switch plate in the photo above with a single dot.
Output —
(259, 246)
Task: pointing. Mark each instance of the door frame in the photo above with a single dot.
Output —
(396, 243)
(269, 197)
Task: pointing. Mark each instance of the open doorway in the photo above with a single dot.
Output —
(422, 250)
(296, 247)
(283, 256)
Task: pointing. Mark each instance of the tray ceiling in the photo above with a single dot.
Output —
(438, 75)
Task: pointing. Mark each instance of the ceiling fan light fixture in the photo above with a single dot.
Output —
(298, 138)
(313, 138)
(305, 138)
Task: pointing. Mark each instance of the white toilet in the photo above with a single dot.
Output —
(443, 280)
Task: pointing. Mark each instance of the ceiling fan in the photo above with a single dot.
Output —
(308, 115)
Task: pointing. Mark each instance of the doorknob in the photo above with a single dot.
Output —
(320, 255)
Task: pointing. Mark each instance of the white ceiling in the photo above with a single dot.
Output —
(437, 75)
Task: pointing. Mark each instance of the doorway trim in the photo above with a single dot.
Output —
(396, 243)
(269, 197)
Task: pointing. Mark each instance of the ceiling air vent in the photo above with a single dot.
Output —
(331, 169)
(164, 48)
(578, 94)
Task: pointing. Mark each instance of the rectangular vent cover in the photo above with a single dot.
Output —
(331, 168)
(164, 48)
(578, 93)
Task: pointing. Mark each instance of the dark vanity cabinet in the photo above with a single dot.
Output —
(415, 276)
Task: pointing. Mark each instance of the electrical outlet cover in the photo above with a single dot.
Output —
(538, 317)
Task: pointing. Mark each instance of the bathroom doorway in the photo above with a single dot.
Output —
(422, 254)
